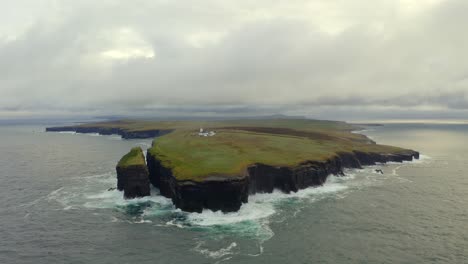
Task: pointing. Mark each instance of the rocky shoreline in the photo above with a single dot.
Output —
(125, 134)
(229, 193)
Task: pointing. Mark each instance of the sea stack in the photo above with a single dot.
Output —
(132, 174)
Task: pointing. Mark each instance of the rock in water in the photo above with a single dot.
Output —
(132, 174)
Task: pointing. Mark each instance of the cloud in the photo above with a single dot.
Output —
(330, 59)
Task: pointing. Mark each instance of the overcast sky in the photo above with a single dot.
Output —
(347, 60)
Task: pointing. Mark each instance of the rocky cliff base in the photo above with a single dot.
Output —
(228, 193)
(133, 181)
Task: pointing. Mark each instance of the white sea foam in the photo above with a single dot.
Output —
(94, 176)
(67, 132)
(363, 131)
(251, 211)
(176, 223)
(215, 254)
(54, 193)
(262, 205)
(423, 159)
(260, 250)
(394, 171)
(92, 134)
(113, 198)
(253, 219)
(359, 131)
(142, 221)
(91, 191)
(111, 136)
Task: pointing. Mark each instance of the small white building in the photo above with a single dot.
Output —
(204, 133)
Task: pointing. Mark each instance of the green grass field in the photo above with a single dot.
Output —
(133, 158)
(298, 124)
(336, 128)
(239, 144)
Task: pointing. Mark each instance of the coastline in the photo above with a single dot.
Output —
(227, 194)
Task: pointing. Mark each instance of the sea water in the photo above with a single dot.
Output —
(56, 208)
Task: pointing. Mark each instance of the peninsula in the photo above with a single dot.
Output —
(217, 164)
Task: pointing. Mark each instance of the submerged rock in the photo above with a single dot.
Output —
(132, 174)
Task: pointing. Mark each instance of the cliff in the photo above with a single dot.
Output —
(124, 133)
(215, 193)
(228, 193)
(132, 174)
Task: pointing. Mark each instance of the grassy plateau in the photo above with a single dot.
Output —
(133, 158)
(240, 143)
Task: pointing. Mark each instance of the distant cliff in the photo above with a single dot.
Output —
(125, 134)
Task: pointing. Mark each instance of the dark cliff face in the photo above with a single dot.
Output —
(111, 131)
(133, 180)
(224, 194)
(265, 178)
(228, 194)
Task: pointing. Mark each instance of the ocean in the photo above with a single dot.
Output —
(56, 208)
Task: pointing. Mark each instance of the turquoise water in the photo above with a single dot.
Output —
(56, 208)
